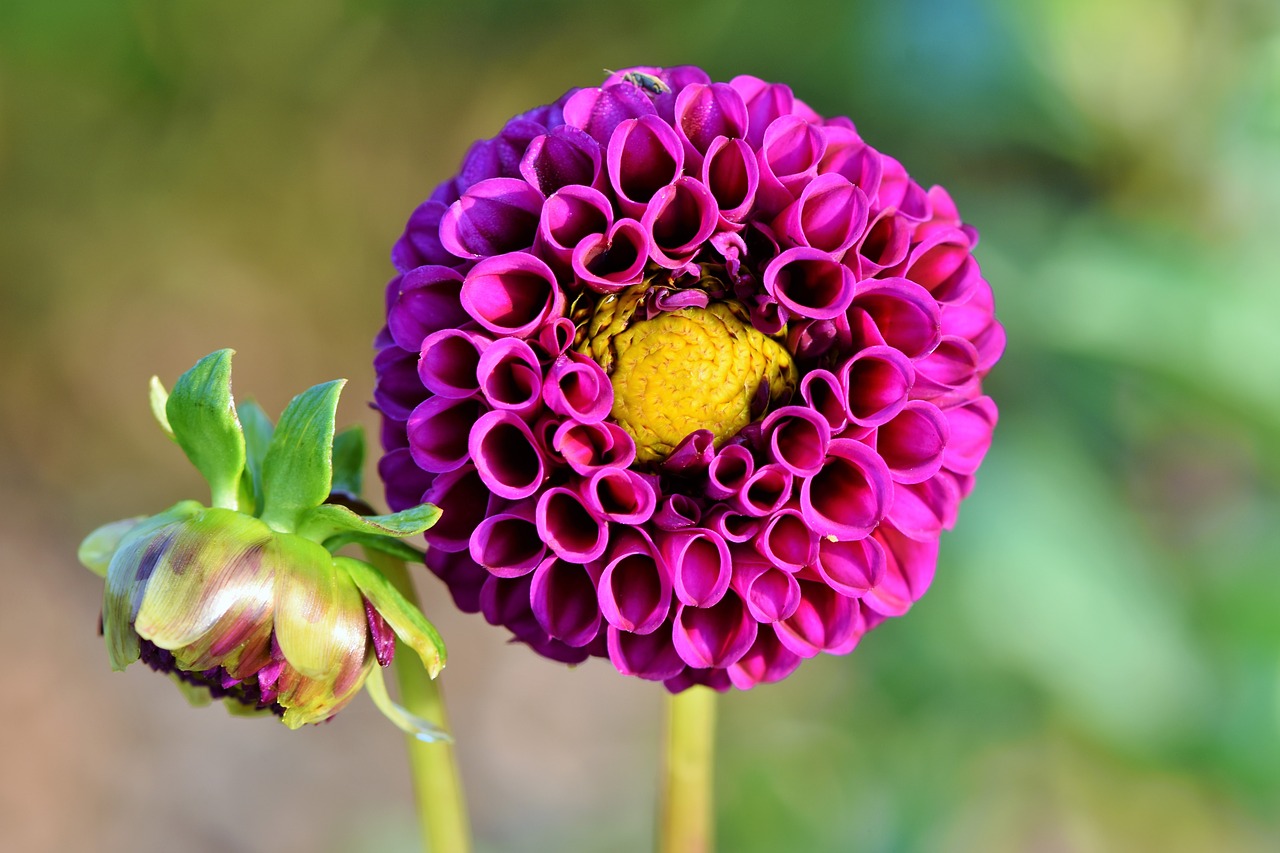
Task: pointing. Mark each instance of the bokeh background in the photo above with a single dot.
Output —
(1097, 667)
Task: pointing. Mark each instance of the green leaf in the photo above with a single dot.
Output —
(298, 468)
(257, 438)
(100, 546)
(404, 719)
(385, 544)
(348, 462)
(404, 618)
(160, 397)
(319, 523)
(204, 422)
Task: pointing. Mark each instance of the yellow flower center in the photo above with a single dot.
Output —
(685, 370)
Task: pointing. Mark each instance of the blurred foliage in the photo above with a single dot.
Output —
(1098, 666)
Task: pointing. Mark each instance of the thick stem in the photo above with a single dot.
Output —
(686, 824)
(442, 807)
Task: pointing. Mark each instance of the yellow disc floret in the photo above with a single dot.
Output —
(685, 370)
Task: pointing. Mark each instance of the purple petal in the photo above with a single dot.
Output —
(508, 543)
(765, 491)
(569, 528)
(578, 388)
(510, 377)
(677, 512)
(678, 220)
(851, 493)
(635, 587)
(447, 365)
(464, 502)
(493, 217)
(798, 438)
(908, 571)
(384, 639)
(706, 112)
(699, 562)
(810, 283)
(912, 444)
(692, 454)
(506, 456)
(620, 495)
(461, 575)
(732, 175)
(570, 216)
(848, 155)
(770, 593)
(971, 427)
(821, 391)
(825, 621)
(426, 302)
(923, 510)
(398, 390)
(876, 383)
(644, 155)
(729, 471)
(512, 294)
(787, 541)
(851, 568)
(612, 261)
(405, 481)
(788, 156)
(565, 156)
(713, 636)
(905, 315)
(732, 526)
(766, 662)
(598, 111)
(438, 431)
(589, 447)
(649, 656)
(563, 598)
(830, 215)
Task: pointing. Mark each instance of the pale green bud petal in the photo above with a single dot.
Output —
(320, 616)
(100, 546)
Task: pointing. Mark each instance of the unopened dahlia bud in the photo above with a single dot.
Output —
(694, 373)
(246, 601)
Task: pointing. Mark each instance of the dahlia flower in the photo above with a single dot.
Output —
(245, 600)
(694, 374)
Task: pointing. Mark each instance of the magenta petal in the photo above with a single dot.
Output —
(765, 491)
(427, 301)
(732, 175)
(876, 383)
(599, 111)
(949, 374)
(569, 216)
(506, 455)
(563, 598)
(635, 587)
(461, 575)
(438, 431)
(908, 571)
(787, 541)
(512, 294)
(912, 444)
(569, 528)
(729, 471)
(644, 155)
(923, 510)
(905, 315)
(770, 593)
(510, 377)
(612, 261)
(447, 365)
(420, 244)
(706, 112)
(694, 453)
(885, 242)
(557, 336)
(384, 639)
(589, 447)
(798, 439)
(398, 390)
(788, 156)
(971, 428)
(678, 220)
(493, 217)
(764, 101)
(508, 543)
(677, 512)
(944, 266)
(849, 156)
(620, 495)
(699, 563)
(899, 193)
(649, 656)
(578, 388)
(830, 216)
(810, 283)
(714, 636)
(566, 156)
(732, 526)
(766, 662)
(851, 568)
(822, 392)
(975, 321)
(405, 481)
(850, 495)
(464, 502)
(825, 621)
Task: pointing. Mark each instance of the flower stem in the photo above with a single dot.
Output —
(442, 807)
(686, 823)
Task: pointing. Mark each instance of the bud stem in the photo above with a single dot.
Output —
(686, 823)
(442, 806)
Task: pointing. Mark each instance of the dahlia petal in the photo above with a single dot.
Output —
(567, 156)
(787, 541)
(381, 635)
(512, 294)
(830, 215)
(788, 156)
(943, 265)
(765, 491)
(732, 175)
(557, 336)
(620, 495)
(506, 456)
(644, 155)
(714, 636)
(810, 283)
(699, 562)
(971, 427)
(798, 439)
(510, 377)
(427, 302)
(770, 593)
(464, 502)
(588, 447)
(405, 481)
(398, 389)
(508, 543)
(905, 315)
(729, 471)
(716, 679)
(650, 656)
(822, 393)
(563, 598)
(913, 442)
(899, 193)
(908, 571)
(885, 242)
(948, 374)
(569, 216)
(677, 512)
(578, 388)
(693, 454)
(732, 526)
(766, 662)
(493, 217)
(448, 362)
(568, 527)
(438, 431)
(635, 587)
(825, 621)
(420, 244)
(319, 614)
(923, 510)
(383, 601)
(500, 156)
(599, 111)
(846, 154)
(850, 495)
(506, 601)
(876, 383)
(462, 577)
(678, 220)
(764, 102)
(704, 113)
(975, 321)
(852, 567)
(612, 261)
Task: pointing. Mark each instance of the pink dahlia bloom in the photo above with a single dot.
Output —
(694, 373)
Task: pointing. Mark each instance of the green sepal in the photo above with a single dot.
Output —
(258, 430)
(197, 696)
(404, 618)
(348, 462)
(321, 522)
(404, 719)
(203, 418)
(100, 546)
(298, 468)
(385, 544)
(159, 398)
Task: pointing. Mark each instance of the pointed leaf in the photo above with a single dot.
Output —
(204, 422)
(319, 523)
(298, 468)
(257, 438)
(404, 719)
(320, 617)
(384, 544)
(159, 398)
(348, 462)
(100, 546)
(404, 618)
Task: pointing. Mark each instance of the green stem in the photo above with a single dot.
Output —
(686, 823)
(442, 808)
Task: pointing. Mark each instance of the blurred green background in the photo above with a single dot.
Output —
(1097, 667)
